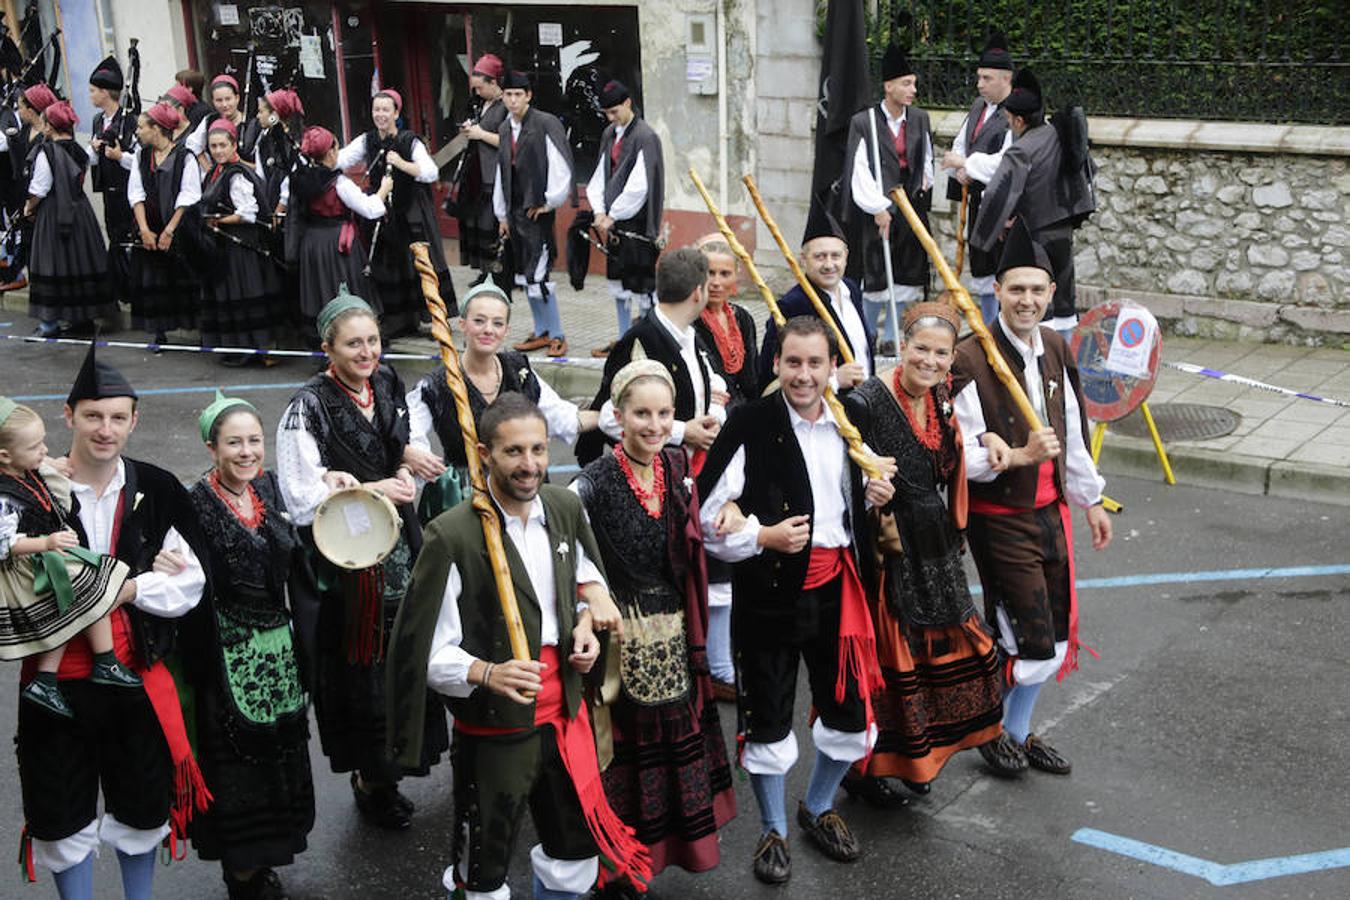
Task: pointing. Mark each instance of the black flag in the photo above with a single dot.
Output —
(845, 88)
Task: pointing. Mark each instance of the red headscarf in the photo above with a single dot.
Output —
(393, 95)
(164, 115)
(489, 65)
(183, 95)
(61, 116)
(225, 79)
(39, 96)
(285, 103)
(317, 141)
(225, 125)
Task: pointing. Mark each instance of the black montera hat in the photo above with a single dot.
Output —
(995, 54)
(896, 63)
(1020, 251)
(821, 223)
(98, 381)
(107, 75)
(1025, 98)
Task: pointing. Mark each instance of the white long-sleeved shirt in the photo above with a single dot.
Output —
(367, 206)
(244, 199)
(300, 467)
(634, 194)
(1082, 484)
(189, 186)
(560, 414)
(854, 329)
(355, 153)
(981, 166)
(40, 181)
(168, 596)
(557, 186)
(694, 364)
(448, 664)
(825, 455)
(865, 186)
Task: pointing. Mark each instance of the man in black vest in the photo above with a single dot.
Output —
(626, 194)
(534, 178)
(975, 155)
(897, 132)
(1039, 183)
(786, 505)
(522, 736)
(666, 334)
(113, 141)
(131, 744)
(1022, 483)
(824, 258)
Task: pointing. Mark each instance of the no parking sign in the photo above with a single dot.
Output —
(1117, 346)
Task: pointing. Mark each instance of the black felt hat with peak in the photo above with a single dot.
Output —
(995, 54)
(821, 223)
(1025, 98)
(896, 63)
(98, 381)
(107, 75)
(1021, 251)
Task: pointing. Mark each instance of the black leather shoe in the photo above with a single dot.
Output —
(773, 864)
(114, 675)
(829, 833)
(878, 792)
(1003, 756)
(380, 806)
(1042, 756)
(264, 885)
(49, 697)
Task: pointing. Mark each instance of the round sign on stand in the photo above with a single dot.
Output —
(1111, 395)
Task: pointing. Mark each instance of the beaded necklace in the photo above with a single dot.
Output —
(250, 521)
(930, 432)
(355, 397)
(645, 496)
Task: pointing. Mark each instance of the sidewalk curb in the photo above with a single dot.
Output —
(1226, 471)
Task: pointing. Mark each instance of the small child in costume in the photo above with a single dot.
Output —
(51, 589)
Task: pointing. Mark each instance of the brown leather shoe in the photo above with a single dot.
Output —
(557, 347)
(723, 692)
(1044, 757)
(533, 342)
(1004, 756)
(772, 863)
(829, 833)
(605, 351)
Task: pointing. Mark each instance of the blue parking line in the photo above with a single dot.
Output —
(1217, 874)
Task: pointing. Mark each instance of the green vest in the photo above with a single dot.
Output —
(456, 536)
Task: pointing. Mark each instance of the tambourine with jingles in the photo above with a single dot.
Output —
(356, 528)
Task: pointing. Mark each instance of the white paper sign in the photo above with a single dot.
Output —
(227, 13)
(550, 34)
(358, 520)
(698, 68)
(311, 55)
(1132, 344)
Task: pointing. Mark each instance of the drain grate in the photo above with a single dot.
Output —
(1181, 422)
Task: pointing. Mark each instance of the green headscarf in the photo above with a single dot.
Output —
(7, 407)
(486, 286)
(340, 304)
(218, 408)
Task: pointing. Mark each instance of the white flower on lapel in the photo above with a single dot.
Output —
(688, 483)
(1054, 385)
(563, 549)
(136, 501)
(520, 376)
(946, 409)
(285, 516)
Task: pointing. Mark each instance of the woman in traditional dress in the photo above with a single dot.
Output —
(321, 239)
(224, 94)
(281, 121)
(479, 241)
(941, 692)
(20, 144)
(387, 149)
(669, 777)
(729, 329)
(69, 264)
(164, 189)
(489, 372)
(252, 717)
(348, 426)
(242, 292)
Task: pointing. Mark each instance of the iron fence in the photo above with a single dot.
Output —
(1246, 60)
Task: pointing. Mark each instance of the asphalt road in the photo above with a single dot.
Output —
(1214, 723)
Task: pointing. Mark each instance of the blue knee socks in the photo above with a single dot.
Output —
(719, 644)
(769, 792)
(543, 893)
(624, 314)
(77, 882)
(1017, 708)
(138, 874)
(825, 780)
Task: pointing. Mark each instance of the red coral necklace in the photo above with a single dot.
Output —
(250, 521)
(354, 395)
(929, 433)
(652, 499)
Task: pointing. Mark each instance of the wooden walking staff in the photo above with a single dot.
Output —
(482, 503)
(961, 297)
(847, 430)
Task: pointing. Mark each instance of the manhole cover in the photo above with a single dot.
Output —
(1181, 422)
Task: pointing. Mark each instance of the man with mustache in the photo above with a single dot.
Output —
(522, 735)
(786, 505)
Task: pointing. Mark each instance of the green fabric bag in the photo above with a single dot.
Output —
(446, 492)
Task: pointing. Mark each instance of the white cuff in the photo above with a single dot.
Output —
(57, 856)
(770, 759)
(131, 841)
(567, 876)
(842, 746)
